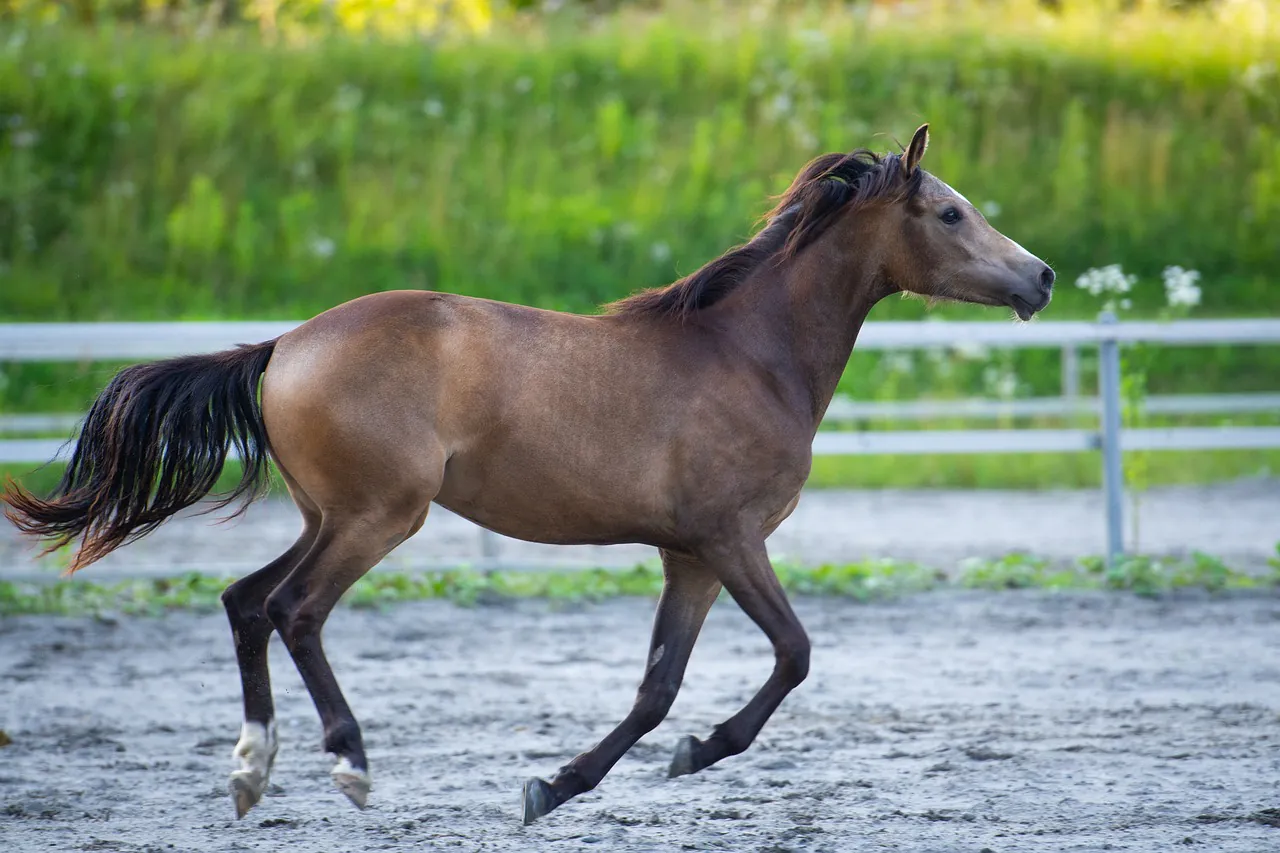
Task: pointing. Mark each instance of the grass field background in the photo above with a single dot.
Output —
(165, 169)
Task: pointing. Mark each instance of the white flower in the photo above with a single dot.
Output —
(779, 106)
(814, 39)
(1180, 287)
(898, 362)
(1257, 75)
(803, 137)
(971, 350)
(941, 360)
(347, 98)
(322, 247)
(1001, 383)
(1108, 279)
(24, 138)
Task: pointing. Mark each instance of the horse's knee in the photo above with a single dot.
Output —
(290, 616)
(244, 607)
(792, 658)
(653, 703)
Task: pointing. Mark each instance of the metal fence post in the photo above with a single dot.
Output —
(488, 547)
(1112, 469)
(1070, 372)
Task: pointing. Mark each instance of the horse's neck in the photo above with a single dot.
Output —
(806, 315)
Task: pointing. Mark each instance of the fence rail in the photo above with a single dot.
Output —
(125, 341)
(845, 410)
(86, 342)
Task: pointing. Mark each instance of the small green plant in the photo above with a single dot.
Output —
(1138, 574)
(1014, 571)
(865, 581)
(1115, 289)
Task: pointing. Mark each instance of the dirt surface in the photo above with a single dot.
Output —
(943, 722)
(1236, 522)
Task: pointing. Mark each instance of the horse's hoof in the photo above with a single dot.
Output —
(256, 752)
(682, 763)
(353, 782)
(537, 800)
(246, 787)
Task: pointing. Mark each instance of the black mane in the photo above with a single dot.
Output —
(825, 188)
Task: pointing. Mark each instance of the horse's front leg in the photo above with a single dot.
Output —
(689, 589)
(747, 574)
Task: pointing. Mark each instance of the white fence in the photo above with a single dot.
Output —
(137, 341)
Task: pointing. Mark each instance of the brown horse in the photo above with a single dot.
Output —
(681, 418)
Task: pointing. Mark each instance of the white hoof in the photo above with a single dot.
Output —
(256, 752)
(247, 787)
(353, 782)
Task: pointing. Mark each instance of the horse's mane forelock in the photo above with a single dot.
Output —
(825, 188)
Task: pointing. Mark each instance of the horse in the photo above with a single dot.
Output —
(680, 417)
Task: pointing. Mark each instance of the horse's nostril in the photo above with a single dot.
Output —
(1046, 278)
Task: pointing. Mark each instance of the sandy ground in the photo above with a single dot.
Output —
(943, 722)
(1238, 522)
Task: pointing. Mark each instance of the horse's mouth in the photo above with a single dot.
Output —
(1024, 309)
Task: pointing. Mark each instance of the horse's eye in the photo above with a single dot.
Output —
(950, 216)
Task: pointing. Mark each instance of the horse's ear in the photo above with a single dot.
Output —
(915, 151)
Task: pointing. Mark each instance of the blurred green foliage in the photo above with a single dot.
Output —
(866, 581)
(169, 163)
(144, 174)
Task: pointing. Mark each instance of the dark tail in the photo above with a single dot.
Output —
(153, 444)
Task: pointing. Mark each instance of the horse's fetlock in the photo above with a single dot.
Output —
(734, 741)
(342, 738)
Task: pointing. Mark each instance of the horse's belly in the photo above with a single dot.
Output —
(553, 506)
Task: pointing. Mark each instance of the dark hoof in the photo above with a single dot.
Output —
(683, 762)
(538, 799)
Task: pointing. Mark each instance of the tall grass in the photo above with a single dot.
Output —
(144, 175)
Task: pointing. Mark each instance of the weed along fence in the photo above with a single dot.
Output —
(47, 342)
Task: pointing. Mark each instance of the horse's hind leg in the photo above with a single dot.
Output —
(689, 590)
(346, 547)
(748, 576)
(245, 602)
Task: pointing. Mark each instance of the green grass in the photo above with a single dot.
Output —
(865, 581)
(145, 174)
(1033, 470)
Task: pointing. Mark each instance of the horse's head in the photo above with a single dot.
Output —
(946, 249)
